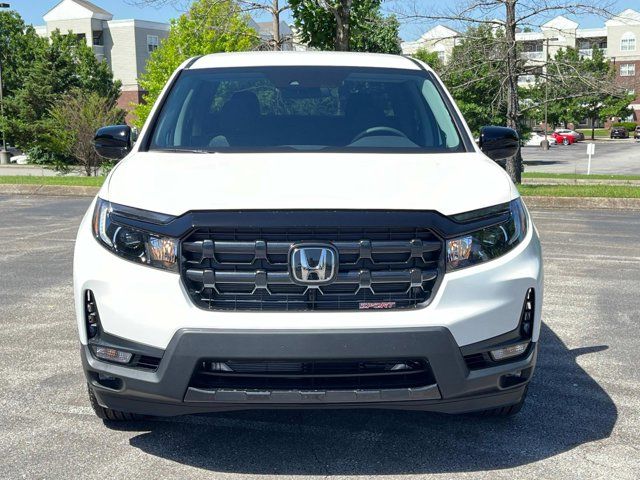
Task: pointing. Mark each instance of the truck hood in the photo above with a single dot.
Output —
(174, 183)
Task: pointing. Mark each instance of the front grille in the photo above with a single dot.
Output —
(312, 375)
(247, 269)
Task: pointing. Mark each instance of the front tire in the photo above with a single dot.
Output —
(107, 413)
(565, 141)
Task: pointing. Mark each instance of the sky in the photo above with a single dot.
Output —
(33, 10)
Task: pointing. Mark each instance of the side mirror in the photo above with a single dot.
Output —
(499, 143)
(113, 142)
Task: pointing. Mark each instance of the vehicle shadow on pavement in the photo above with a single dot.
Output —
(565, 408)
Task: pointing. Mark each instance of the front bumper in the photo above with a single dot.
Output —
(167, 391)
(150, 306)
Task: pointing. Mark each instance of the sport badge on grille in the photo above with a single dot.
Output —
(313, 264)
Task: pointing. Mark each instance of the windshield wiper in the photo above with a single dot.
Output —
(183, 150)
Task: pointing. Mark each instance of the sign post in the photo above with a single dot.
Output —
(591, 150)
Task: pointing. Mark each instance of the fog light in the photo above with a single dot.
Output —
(112, 355)
(509, 352)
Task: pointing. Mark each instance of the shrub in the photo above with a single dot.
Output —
(628, 125)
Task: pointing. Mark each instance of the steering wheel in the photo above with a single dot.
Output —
(378, 131)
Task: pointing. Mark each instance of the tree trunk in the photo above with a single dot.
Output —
(343, 27)
(275, 19)
(514, 164)
(593, 129)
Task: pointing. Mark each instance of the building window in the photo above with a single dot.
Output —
(152, 43)
(628, 70)
(442, 56)
(97, 37)
(628, 42)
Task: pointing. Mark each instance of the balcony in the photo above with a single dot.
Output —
(533, 55)
(98, 50)
(526, 80)
(588, 52)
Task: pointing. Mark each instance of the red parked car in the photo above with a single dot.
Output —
(564, 138)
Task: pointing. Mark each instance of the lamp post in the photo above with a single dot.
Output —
(4, 154)
(545, 143)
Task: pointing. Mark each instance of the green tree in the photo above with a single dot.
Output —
(346, 25)
(471, 76)
(20, 45)
(65, 63)
(209, 26)
(578, 88)
(74, 119)
(430, 58)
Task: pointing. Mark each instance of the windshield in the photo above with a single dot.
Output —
(305, 108)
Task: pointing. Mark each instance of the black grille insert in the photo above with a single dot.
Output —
(312, 374)
(247, 268)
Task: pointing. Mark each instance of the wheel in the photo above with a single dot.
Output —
(507, 411)
(565, 141)
(107, 413)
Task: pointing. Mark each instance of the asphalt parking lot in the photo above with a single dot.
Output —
(582, 419)
(621, 157)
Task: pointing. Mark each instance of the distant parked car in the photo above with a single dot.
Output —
(537, 138)
(636, 134)
(19, 159)
(619, 132)
(564, 138)
(579, 136)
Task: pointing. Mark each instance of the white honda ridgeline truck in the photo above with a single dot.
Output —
(307, 230)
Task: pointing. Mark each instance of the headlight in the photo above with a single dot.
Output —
(490, 242)
(133, 244)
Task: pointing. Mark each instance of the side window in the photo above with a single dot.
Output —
(628, 42)
(628, 70)
(153, 42)
(441, 114)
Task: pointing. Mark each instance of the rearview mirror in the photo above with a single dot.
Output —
(499, 143)
(113, 142)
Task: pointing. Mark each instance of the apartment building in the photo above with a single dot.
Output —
(124, 44)
(619, 39)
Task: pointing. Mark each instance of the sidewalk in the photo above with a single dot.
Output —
(34, 171)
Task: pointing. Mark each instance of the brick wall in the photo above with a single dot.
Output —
(127, 98)
(630, 82)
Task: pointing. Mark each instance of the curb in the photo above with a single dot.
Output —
(51, 190)
(585, 203)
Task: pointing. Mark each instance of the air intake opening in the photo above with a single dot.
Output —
(91, 315)
(312, 374)
(526, 319)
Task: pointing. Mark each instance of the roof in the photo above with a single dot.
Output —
(307, 58)
(560, 23)
(439, 32)
(628, 17)
(130, 22)
(591, 32)
(73, 9)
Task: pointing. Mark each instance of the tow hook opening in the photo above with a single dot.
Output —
(106, 381)
(514, 379)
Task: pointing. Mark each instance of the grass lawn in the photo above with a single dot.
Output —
(600, 132)
(573, 176)
(611, 191)
(37, 180)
